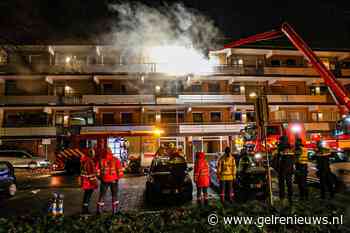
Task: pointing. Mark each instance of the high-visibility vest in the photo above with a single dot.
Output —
(303, 158)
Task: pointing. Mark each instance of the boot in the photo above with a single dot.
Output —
(99, 209)
(85, 209)
(199, 201)
(115, 207)
(222, 198)
(206, 202)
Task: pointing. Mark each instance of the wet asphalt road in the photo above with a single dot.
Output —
(35, 193)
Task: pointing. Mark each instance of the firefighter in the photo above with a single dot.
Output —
(301, 168)
(285, 168)
(226, 173)
(88, 178)
(201, 177)
(323, 170)
(109, 170)
(161, 151)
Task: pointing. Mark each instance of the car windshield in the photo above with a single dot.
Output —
(166, 164)
(340, 157)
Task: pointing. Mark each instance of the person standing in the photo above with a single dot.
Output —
(226, 173)
(109, 170)
(285, 168)
(88, 178)
(324, 171)
(201, 177)
(301, 169)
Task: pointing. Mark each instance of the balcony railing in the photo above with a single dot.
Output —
(299, 71)
(319, 126)
(118, 99)
(207, 99)
(132, 129)
(28, 132)
(345, 72)
(297, 98)
(210, 128)
(28, 100)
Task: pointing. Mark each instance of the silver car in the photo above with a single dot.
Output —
(339, 165)
(23, 159)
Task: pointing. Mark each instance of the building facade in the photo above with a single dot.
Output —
(85, 91)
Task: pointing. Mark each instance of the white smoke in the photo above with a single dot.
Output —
(141, 28)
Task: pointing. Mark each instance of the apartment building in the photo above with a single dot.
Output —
(74, 94)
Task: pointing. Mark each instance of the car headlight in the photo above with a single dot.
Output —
(258, 156)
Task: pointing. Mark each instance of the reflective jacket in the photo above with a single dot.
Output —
(226, 168)
(302, 158)
(88, 173)
(109, 168)
(201, 171)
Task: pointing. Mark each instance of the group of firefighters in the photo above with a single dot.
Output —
(293, 160)
(288, 160)
(105, 167)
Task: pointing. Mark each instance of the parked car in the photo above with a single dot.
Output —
(251, 180)
(168, 177)
(7, 179)
(340, 167)
(23, 159)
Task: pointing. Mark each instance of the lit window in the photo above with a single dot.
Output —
(3, 57)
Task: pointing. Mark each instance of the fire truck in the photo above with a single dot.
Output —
(340, 139)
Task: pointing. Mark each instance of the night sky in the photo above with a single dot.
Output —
(321, 23)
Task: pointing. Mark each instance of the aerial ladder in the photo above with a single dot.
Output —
(338, 92)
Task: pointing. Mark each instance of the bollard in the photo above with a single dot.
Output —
(60, 205)
(53, 205)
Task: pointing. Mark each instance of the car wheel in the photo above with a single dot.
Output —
(148, 194)
(12, 189)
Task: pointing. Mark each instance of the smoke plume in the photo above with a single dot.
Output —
(140, 26)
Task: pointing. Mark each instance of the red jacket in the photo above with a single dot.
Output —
(88, 173)
(201, 171)
(109, 168)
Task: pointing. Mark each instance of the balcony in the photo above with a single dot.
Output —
(118, 99)
(297, 99)
(28, 100)
(119, 129)
(28, 132)
(298, 71)
(319, 126)
(228, 128)
(208, 99)
(101, 68)
(345, 72)
(237, 70)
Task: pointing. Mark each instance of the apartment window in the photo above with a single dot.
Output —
(107, 87)
(168, 117)
(59, 118)
(317, 116)
(126, 118)
(250, 116)
(275, 62)
(215, 116)
(237, 116)
(180, 117)
(214, 87)
(108, 118)
(291, 62)
(196, 87)
(15, 119)
(3, 57)
(150, 118)
(197, 117)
